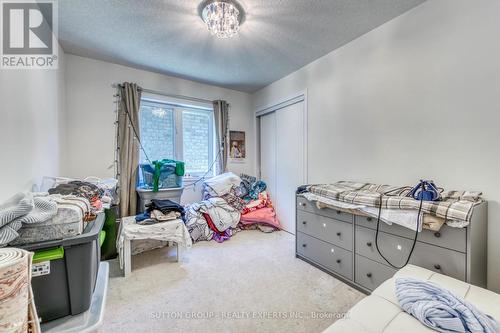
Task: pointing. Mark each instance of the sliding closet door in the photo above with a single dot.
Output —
(282, 158)
(289, 161)
(268, 152)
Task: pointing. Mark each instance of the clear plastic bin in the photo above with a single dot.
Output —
(168, 178)
(91, 320)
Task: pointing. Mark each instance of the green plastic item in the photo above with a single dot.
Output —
(47, 255)
(102, 237)
(179, 170)
(108, 247)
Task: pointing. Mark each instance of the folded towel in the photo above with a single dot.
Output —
(441, 310)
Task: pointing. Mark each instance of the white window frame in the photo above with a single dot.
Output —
(178, 106)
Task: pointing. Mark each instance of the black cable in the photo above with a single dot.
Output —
(219, 153)
(416, 232)
(206, 173)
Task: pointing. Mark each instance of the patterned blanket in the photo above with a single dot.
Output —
(440, 309)
(454, 205)
(24, 208)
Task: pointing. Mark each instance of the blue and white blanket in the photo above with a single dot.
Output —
(441, 310)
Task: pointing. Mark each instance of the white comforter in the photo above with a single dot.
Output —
(222, 184)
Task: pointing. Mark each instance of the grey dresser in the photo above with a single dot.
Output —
(343, 244)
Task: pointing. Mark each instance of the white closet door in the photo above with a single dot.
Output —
(282, 159)
(268, 152)
(289, 161)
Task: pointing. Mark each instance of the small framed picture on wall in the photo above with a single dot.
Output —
(237, 148)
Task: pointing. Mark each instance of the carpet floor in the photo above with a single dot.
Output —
(251, 283)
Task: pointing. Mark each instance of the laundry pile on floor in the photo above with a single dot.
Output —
(62, 212)
(230, 204)
(160, 211)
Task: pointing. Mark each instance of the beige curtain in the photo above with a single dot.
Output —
(221, 119)
(128, 147)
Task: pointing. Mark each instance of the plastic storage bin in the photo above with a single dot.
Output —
(146, 195)
(89, 321)
(65, 272)
(167, 179)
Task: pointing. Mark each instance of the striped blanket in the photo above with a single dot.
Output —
(440, 309)
(23, 208)
(454, 205)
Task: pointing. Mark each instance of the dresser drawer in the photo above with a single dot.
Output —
(332, 231)
(437, 259)
(327, 255)
(370, 274)
(310, 206)
(365, 221)
(447, 237)
(394, 248)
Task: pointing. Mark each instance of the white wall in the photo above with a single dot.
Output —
(90, 119)
(416, 98)
(31, 126)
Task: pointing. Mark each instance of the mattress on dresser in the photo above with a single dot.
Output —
(68, 222)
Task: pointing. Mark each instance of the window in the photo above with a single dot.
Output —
(179, 132)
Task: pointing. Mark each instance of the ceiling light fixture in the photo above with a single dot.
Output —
(223, 18)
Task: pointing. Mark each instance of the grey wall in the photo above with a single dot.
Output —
(416, 98)
(31, 126)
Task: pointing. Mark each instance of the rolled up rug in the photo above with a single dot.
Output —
(17, 311)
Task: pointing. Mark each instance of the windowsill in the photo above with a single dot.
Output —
(190, 178)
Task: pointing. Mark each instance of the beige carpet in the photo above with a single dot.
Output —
(251, 283)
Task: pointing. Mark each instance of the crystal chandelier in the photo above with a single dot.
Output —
(222, 18)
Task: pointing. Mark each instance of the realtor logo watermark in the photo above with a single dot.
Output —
(29, 34)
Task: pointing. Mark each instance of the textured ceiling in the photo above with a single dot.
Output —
(167, 36)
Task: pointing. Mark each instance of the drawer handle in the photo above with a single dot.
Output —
(339, 261)
(304, 245)
(304, 222)
(437, 234)
(437, 266)
(339, 212)
(369, 219)
(338, 234)
(369, 275)
(369, 244)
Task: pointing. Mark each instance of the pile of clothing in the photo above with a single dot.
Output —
(160, 211)
(82, 189)
(230, 204)
(211, 219)
(260, 214)
(61, 212)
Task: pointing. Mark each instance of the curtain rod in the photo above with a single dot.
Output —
(193, 99)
